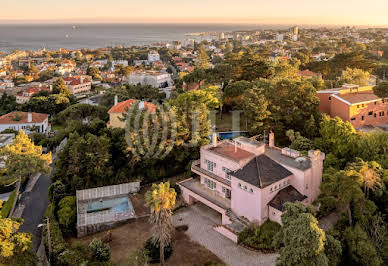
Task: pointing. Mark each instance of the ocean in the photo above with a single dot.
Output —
(55, 36)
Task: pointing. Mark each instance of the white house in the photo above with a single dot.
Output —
(154, 78)
(25, 121)
(153, 56)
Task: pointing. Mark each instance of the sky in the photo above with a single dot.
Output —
(321, 12)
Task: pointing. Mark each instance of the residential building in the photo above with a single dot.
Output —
(249, 181)
(119, 109)
(25, 95)
(153, 56)
(78, 84)
(154, 78)
(25, 121)
(309, 74)
(357, 105)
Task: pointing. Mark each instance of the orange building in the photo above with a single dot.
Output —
(358, 105)
(116, 113)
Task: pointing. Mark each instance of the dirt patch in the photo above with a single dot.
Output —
(187, 252)
(126, 239)
(138, 202)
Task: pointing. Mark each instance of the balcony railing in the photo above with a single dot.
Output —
(196, 168)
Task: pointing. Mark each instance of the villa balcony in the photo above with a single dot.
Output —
(208, 197)
(196, 168)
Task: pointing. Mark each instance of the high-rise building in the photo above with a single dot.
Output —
(294, 30)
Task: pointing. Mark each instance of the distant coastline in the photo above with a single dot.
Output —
(92, 36)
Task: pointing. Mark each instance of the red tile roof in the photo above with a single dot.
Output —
(358, 97)
(122, 106)
(232, 152)
(10, 118)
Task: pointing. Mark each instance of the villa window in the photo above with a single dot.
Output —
(358, 106)
(353, 118)
(362, 118)
(374, 115)
(270, 190)
(370, 113)
(227, 172)
(251, 190)
(239, 185)
(285, 182)
(329, 98)
(245, 188)
(276, 187)
(210, 183)
(307, 186)
(210, 165)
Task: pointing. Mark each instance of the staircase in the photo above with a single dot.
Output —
(237, 223)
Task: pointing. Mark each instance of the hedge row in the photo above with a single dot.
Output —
(6, 209)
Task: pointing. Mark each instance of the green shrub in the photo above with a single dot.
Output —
(5, 210)
(58, 244)
(259, 237)
(76, 255)
(56, 191)
(154, 253)
(67, 214)
(139, 258)
(100, 251)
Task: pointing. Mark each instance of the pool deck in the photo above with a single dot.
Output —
(91, 222)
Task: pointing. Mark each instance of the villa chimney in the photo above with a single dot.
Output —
(116, 100)
(29, 117)
(51, 87)
(214, 139)
(141, 105)
(271, 141)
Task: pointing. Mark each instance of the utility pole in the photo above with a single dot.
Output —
(48, 239)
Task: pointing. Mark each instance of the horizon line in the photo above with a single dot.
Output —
(196, 20)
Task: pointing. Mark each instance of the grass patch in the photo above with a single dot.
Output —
(5, 210)
(226, 122)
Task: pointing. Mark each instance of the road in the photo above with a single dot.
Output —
(35, 202)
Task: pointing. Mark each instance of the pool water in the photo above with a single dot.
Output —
(116, 205)
(231, 134)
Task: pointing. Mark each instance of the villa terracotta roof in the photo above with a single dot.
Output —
(262, 171)
(122, 106)
(358, 97)
(22, 118)
(231, 152)
(287, 194)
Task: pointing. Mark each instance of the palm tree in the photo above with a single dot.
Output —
(369, 173)
(161, 200)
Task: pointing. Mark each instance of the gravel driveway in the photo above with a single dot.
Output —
(201, 220)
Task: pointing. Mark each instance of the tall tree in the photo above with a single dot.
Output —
(12, 242)
(23, 158)
(161, 200)
(301, 242)
(61, 88)
(355, 76)
(202, 60)
(339, 189)
(381, 90)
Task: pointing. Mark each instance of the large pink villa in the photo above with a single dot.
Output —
(248, 181)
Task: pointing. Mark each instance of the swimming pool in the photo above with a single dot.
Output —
(231, 134)
(115, 205)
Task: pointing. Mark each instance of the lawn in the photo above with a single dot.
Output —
(226, 122)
